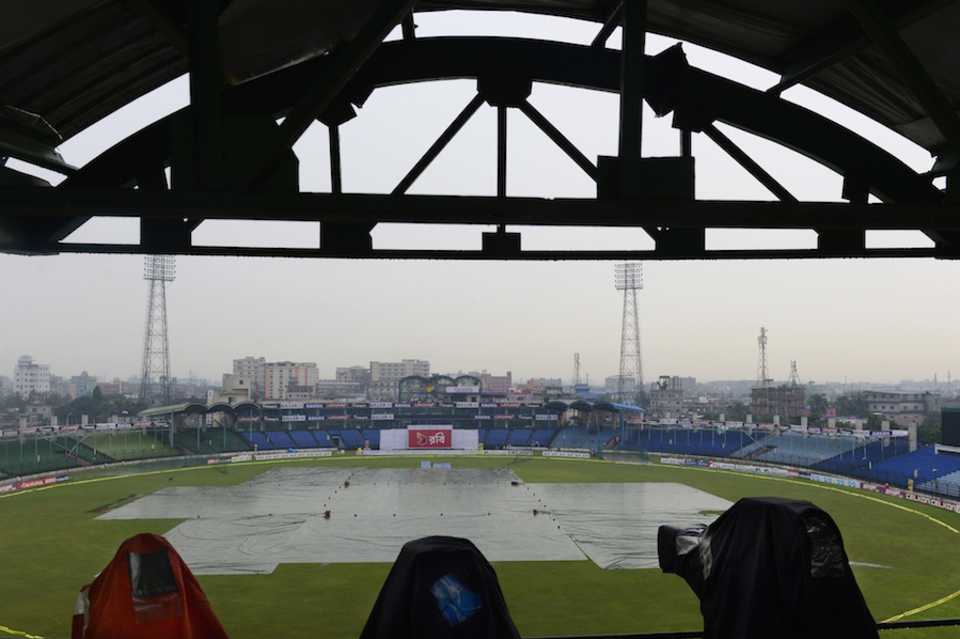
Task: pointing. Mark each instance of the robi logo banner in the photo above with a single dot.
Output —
(429, 438)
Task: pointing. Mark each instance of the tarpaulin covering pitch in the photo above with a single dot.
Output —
(145, 592)
(616, 524)
(278, 517)
(440, 588)
(771, 567)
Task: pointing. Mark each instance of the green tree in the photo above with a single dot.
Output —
(818, 405)
(930, 429)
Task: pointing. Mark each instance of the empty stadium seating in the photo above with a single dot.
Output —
(520, 437)
(258, 440)
(209, 441)
(303, 439)
(280, 439)
(709, 443)
(923, 465)
(121, 446)
(576, 437)
(494, 438)
(372, 437)
(542, 436)
(351, 439)
(27, 457)
(797, 449)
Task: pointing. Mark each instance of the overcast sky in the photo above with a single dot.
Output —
(862, 320)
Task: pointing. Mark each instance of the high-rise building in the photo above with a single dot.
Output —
(496, 384)
(359, 375)
(251, 368)
(82, 385)
(385, 376)
(280, 379)
(30, 377)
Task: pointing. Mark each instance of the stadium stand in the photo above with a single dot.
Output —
(323, 439)
(303, 439)
(121, 446)
(923, 465)
(948, 485)
(494, 438)
(798, 450)
(372, 437)
(351, 439)
(576, 437)
(710, 443)
(209, 441)
(280, 439)
(520, 437)
(258, 440)
(27, 457)
(542, 436)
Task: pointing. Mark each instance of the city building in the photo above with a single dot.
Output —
(904, 409)
(234, 389)
(611, 385)
(251, 368)
(666, 397)
(30, 377)
(6, 386)
(59, 386)
(116, 387)
(81, 385)
(280, 379)
(385, 377)
(496, 385)
(786, 402)
(350, 381)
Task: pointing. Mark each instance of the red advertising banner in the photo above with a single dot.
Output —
(429, 438)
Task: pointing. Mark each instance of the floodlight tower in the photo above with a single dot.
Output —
(762, 377)
(155, 377)
(628, 277)
(576, 369)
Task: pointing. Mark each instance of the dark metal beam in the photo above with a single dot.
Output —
(159, 14)
(439, 144)
(336, 183)
(911, 70)
(839, 41)
(345, 61)
(206, 89)
(748, 163)
(686, 143)
(408, 27)
(556, 255)
(559, 139)
(632, 61)
(501, 151)
(448, 209)
(609, 25)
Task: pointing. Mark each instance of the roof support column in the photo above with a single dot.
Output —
(206, 88)
(632, 59)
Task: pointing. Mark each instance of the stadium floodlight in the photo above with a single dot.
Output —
(628, 276)
(159, 268)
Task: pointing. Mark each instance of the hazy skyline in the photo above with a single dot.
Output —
(881, 320)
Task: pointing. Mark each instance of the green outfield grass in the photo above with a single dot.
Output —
(51, 544)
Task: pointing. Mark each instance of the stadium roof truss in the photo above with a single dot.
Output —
(66, 65)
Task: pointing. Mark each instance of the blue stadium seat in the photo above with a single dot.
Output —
(520, 437)
(303, 439)
(351, 439)
(280, 439)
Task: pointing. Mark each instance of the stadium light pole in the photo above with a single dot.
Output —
(628, 277)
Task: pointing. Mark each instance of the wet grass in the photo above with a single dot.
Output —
(51, 544)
